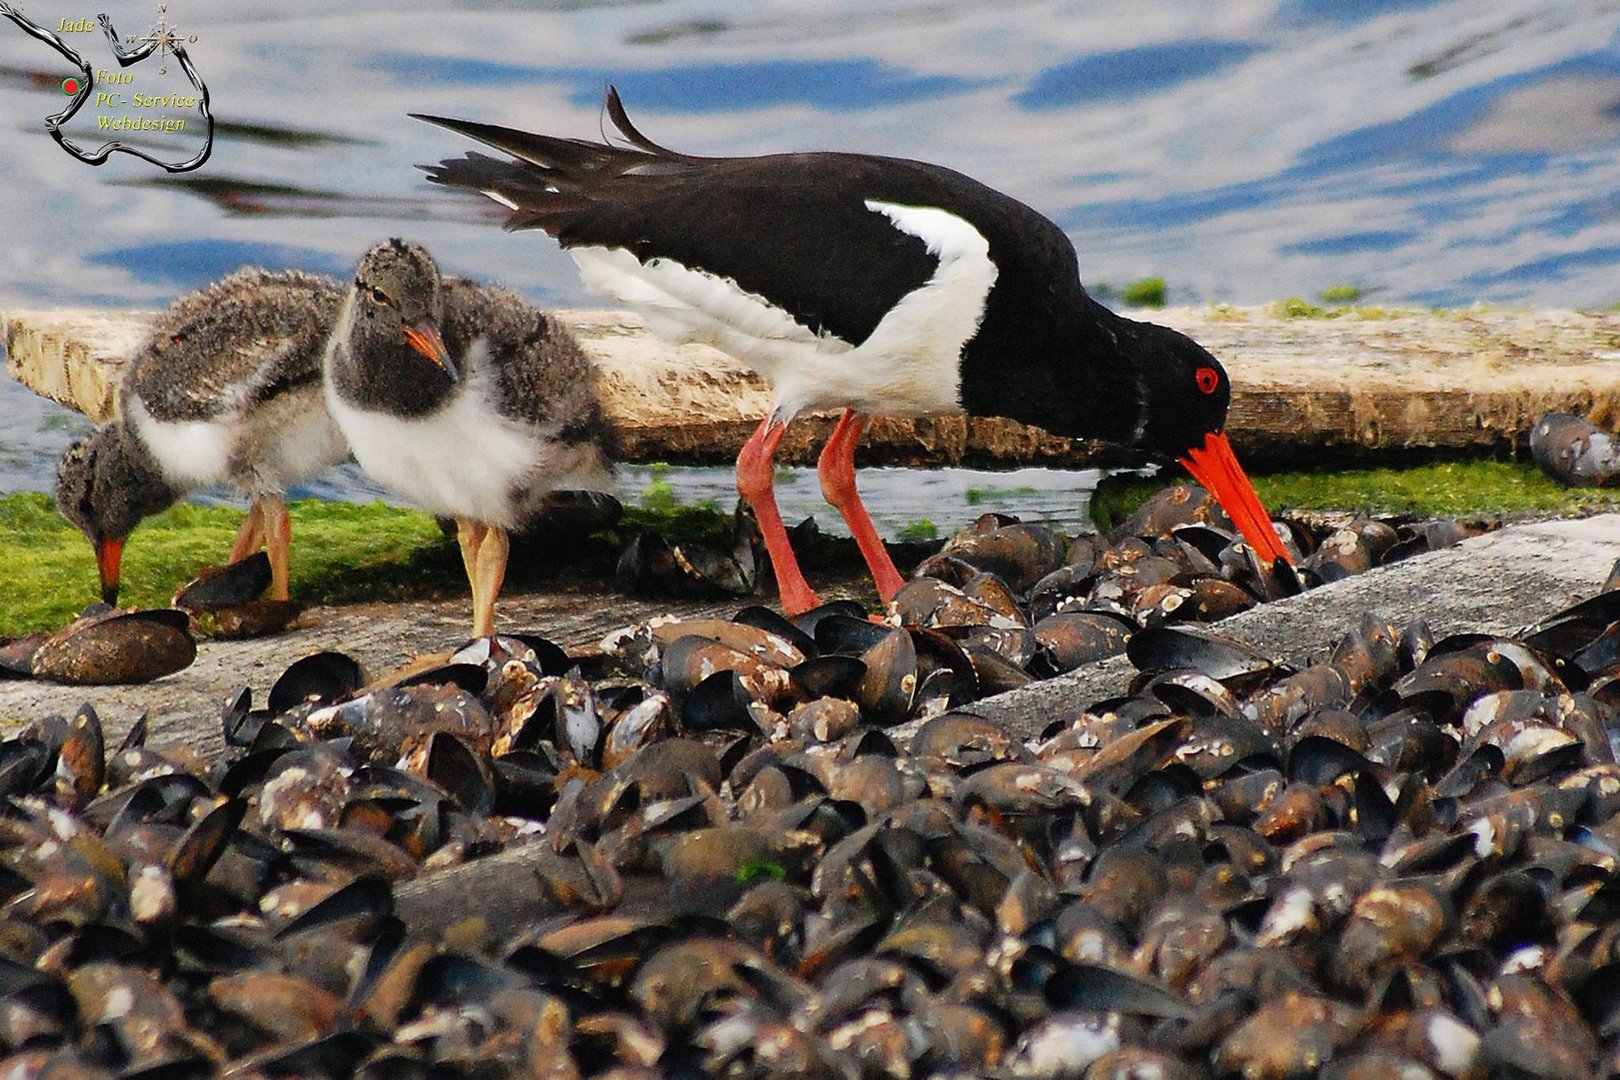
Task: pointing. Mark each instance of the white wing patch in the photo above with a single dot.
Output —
(909, 366)
(922, 337)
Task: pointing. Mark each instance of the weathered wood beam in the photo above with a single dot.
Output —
(1323, 390)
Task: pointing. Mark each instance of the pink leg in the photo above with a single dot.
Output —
(837, 471)
(754, 475)
(472, 536)
(250, 537)
(491, 573)
(277, 539)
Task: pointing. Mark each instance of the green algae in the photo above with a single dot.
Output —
(1147, 292)
(341, 553)
(351, 552)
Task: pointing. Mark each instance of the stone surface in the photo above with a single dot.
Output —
(184, 708)
(1497, 583)
(1344, 389)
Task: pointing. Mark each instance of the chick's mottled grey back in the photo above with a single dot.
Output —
(232, 345)
(544, 374)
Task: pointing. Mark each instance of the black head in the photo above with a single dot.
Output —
(1185, 395)
(399, 301)
(1186, 392)
(106, 484)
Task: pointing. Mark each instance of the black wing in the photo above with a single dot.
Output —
(793, 228)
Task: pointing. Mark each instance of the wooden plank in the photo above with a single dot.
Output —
(1336, 389)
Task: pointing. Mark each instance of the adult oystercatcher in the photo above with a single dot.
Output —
(466, 399)
(867, 284)
(226, 388)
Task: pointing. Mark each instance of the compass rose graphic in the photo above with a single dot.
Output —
(161, 38)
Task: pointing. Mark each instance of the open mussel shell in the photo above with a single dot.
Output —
(763, 618)
(122, 647)
(226, 586)
(811, 619)
(462, 772)
(718, 703)
(1573, 629)
(848, 635)
(1099, 988)
(319, 678)
(652, 566)
(1269, 581)
(832, 675)
(470, 677)
(1220, 657)
(551, 657)
(23, 764)
(1209, 542)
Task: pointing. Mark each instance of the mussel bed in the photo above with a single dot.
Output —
(761, 847)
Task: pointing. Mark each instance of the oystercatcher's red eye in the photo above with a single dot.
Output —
(1208, 379)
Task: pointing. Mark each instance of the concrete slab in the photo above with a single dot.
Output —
(184, 708)
(1497, 583)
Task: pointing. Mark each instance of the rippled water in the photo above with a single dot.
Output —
(1426, 152)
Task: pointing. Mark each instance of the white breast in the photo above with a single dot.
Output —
(910, 365)
(285, 441)
(192, 453)
(466, 460)
(260, 451)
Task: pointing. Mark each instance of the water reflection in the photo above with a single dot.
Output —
(1427, 151)
(827, 84)
(1130, 73)
(186, 263)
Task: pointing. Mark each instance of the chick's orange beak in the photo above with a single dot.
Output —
(1216, 467)
(424, 338)
(109, 556)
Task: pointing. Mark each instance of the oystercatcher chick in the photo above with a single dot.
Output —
(227, 388)
(465, 399)
(867, 284)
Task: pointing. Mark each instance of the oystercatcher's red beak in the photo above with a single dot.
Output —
(1216, 467)
(109, 556)
(424, 338)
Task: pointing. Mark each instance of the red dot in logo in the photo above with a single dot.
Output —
(70, 86)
